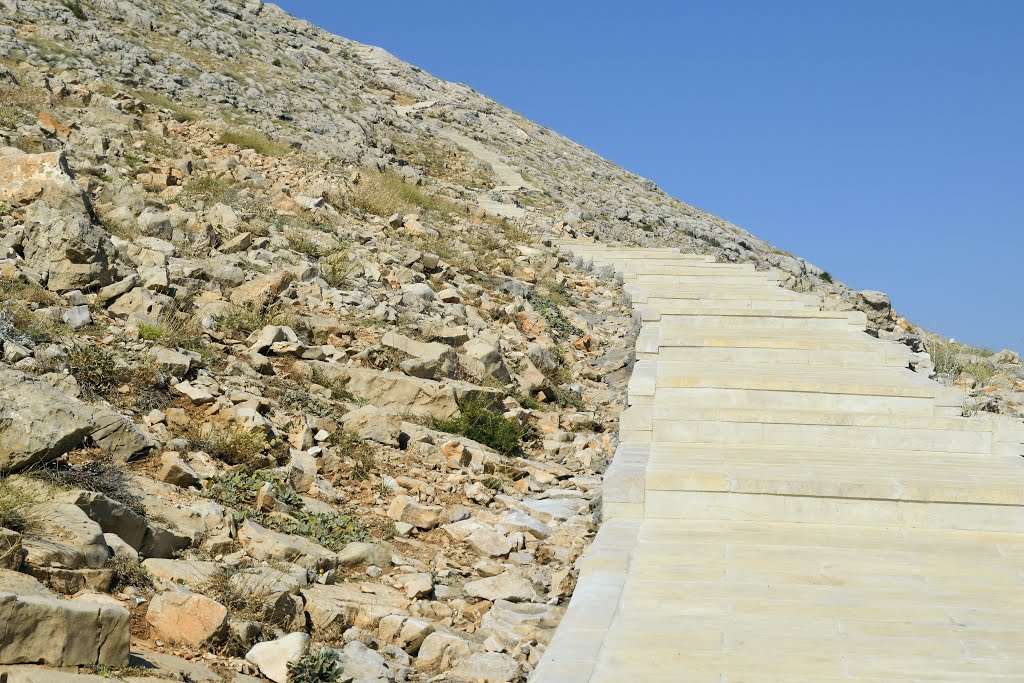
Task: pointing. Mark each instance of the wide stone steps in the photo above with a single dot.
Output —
(788, 502)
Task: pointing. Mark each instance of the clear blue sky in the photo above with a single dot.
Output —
(883, 140)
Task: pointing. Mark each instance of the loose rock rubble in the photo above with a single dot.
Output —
(290, 375)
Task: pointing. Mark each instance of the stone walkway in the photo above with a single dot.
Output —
(789, 503)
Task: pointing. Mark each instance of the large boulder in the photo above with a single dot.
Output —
(399, 393)
(26, 178)
(273, 657)
(334, 608)
(47, 630)
(187, 618)
(266, 544)
(68, 249)
(37, 422)
(877, 307)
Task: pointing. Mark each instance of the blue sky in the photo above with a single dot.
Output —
(881, 140)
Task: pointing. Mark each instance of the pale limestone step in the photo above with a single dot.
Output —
(755, 601)
(785, 415)
(879, 475)
(775, 356)
(911, 433)
(739, 317)
(682, 278)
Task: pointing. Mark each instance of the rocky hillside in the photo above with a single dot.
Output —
(291, 385)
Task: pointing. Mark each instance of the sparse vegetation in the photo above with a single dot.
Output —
(479, 422)
(238, 490)
(235, 445)
(556, 320)
(179, 112)
(240, 321)
(953, 358)
(95, 368)
(98, 476)
(19, 506)
(321, 666)
(254, 140)
(75, 7)
(129, 572)
(826, 276)
(385, 194)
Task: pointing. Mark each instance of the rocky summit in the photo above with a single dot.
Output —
(313, 366)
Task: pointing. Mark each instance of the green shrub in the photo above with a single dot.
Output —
(179, 112)
(19, 506)
(240, 321)
(316, 667)
(94, 368)
(76, 9)
(254, 140)
(238, 489)
(557, 322)
(826, 276)
(477, 421)
(129, 572)
(332, 530)
(306, 246)
(234, 445)
(385, 194)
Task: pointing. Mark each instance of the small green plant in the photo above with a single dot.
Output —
(322, 666)
(240, 321)
(19, 506)
(239, 488)
(129, 572)
(235, 445)
(826, 276)
(94, 368)
(477, 421)
(179, 112)
(350, 445)
(332, 530)
(175, 330)
(307, 247)
(276, 62)
(76, 9)
(254, 140)
(556, 320)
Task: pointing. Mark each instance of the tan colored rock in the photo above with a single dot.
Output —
(187, 618)
(266, 544)
(39, 629)
(262, 290)
(334, 608)
(25, 178)
(273, 657)
(405, 509)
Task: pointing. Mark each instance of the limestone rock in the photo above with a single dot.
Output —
(267, 544)
(37, 422)
(509, 585)
(486, 667)
(273, 657)
(62, 632)
(187, 618)
(334, 608)
(405, 509)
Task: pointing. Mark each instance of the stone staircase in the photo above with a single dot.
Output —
(788, 502)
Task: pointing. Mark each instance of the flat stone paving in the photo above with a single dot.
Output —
(819, 516)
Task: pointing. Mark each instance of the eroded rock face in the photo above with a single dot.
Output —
(37, 422)
(187, 618)
(26, 178)
(39, 629)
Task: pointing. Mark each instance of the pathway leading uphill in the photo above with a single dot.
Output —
(789, 503)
